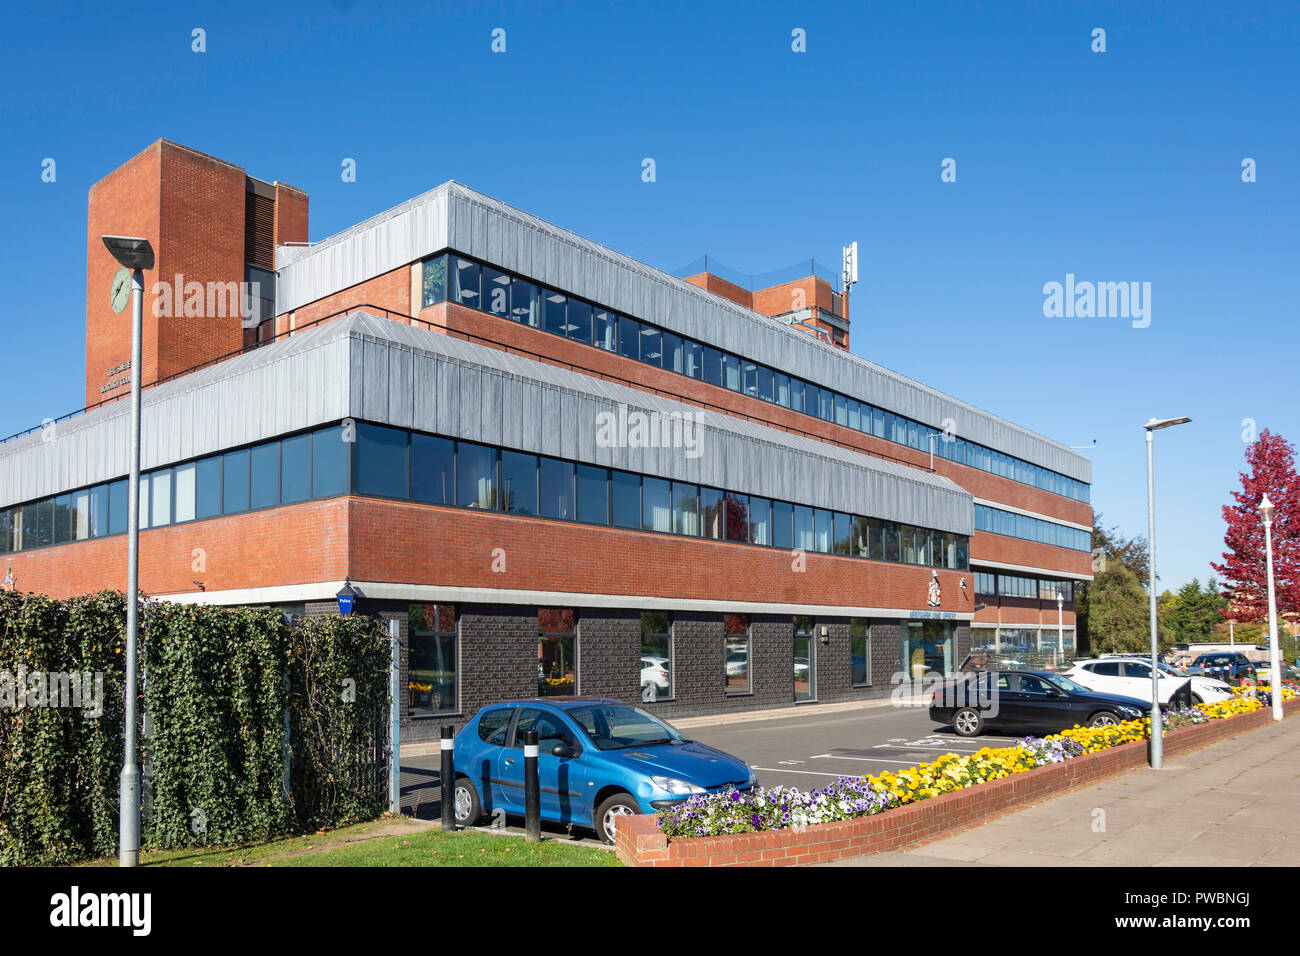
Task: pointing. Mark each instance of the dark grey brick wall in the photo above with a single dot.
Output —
(497, 660)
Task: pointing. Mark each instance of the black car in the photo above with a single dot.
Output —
(1026, 700)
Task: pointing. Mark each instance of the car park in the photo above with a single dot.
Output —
(1131, 677)
(597, 760)
(1026, 700)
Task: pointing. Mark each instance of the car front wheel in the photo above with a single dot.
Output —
(1103, 719)
(967, 722)
(610, 809)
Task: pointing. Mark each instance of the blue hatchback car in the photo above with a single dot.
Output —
(597, 760)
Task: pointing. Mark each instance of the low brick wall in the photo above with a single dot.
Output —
(640, 842)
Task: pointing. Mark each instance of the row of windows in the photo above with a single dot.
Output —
(1031, 529)
(456, 278)
(309, 465)
(433, 670)
(1017, 585)
(395, 463)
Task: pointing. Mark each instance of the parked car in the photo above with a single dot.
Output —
(654, 671)
(1131, 677)
(737, 663)
(1224, 666)
(1026, 700)
(597, 760)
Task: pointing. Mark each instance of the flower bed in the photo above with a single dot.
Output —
(777, 825)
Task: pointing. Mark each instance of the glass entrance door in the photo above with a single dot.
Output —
(803, 668)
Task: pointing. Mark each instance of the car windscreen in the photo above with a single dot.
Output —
(1063, 682)
(1173, 670)
(618, 727)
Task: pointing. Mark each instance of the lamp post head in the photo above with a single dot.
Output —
(1060, 600)
(1158, 423)
(1266, 509)
(131, 252)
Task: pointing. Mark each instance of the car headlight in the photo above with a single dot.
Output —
(673, 785)
(753, 778)
(1129, 712)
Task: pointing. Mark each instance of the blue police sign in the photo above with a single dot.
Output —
(347, 597)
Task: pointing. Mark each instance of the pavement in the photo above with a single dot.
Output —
(1234, 803)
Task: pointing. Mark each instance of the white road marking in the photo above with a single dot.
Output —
(868, 759)
(811, 773)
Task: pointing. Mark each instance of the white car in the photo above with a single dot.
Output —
(1131, 677)
(654, 671)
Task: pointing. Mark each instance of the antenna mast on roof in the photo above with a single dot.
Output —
(850, 272)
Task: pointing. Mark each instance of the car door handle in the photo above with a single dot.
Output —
(509, 761)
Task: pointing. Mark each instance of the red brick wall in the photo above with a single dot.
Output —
(719, 286)
(290, 214)
(640, 843)
(202, 239)
(126, 202)
(391, 290)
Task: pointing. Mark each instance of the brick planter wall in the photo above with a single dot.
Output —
(640, 843)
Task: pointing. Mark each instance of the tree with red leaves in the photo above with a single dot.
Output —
(1271, 460)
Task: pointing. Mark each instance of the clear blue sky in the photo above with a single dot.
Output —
(1119, 166)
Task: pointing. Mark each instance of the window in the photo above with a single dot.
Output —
(673, 355)
(518, 483)
(431, 677)
(686, 509)
(556, 489)
(117, 507)
(625, 492)
(629, 337)
(656, 656)
(890, 533)
(557, 665)
(760, 520)
(651, 346)
(803, 528)
(783, 525)
(380, 466)
(859, 652)
(822, 530)
(713, 513)
(693, 354)
(465, 282)
(553, 312)
(907, 543)
(731, 372)
(605, 330)
(62, 519)
(656, 505)
(329, 462)
(476, 476)
(842, 534)
(433, 469)
(927, 647)
(712, 366)
(525, 303)
(185, 480)
(803, 658)
(295, 468)
(264, 468)
(593, 494)
(735, 629)
(493, 725)
(578, 326)
(737, 510)
(797, 391)
(435, 280)
(496, 292)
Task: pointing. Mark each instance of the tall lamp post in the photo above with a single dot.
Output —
(136, 255)
(1157, 731)
(1275, 674)
(1060, 624)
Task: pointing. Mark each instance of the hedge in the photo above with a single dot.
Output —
(219, 688)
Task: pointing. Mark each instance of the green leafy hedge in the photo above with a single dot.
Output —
(219, 687)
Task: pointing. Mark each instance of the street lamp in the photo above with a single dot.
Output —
(1060, 624)
(1157, 731)
(137, 255)
(1275, 674)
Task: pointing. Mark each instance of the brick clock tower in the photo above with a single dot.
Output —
(214, 231)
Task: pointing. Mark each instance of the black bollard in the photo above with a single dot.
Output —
(532, 792)
(447, 778)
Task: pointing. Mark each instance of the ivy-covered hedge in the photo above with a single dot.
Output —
(219, 688)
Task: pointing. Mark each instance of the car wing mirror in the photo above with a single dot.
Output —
(562, 750)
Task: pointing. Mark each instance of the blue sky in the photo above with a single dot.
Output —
(1115, 166)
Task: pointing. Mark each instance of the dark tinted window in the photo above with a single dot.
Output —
(234, 482)
(626, 490)
(593, 494)
(433, 469)
(329, 461)
(518, 483)
(556, 486)
(493, 725)
(207, 488)
(381, 461)
(295, 468)
(265, 470)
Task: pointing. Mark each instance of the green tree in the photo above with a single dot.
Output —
(1110, 549)
(1192, 614)
(1118, 617)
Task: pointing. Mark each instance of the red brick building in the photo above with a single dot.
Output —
(559, 469)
